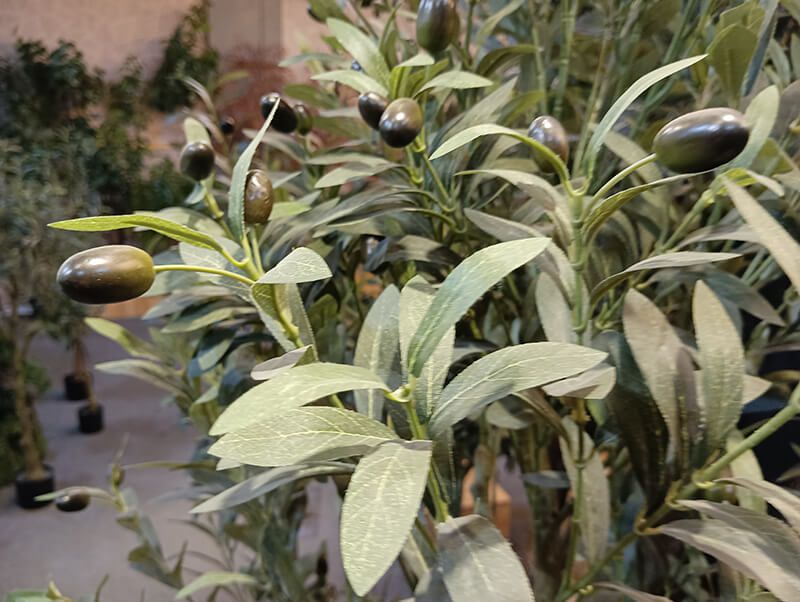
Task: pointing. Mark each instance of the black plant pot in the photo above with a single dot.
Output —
(75, 388)
(27, 489)
(90, 419)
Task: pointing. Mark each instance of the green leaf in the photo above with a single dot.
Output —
(785, 502)
(272, 367)
(287, 209)
(631, 593)
(294, 388)
(722, 360)
(156, 374)
(415, 299)
(206, 316)
(215, 579)
(553, 311)
(302, 435)
(493, 21)
(194, 131)
(352, 171)
(360, 82)
(379, 509)
(261, 484)
(595, 383)
(655, 348)
(377, 349)
(165, 227)
(761, 115)
(361, 48)
(596, 503)
(784, 249)
(477, 563)
(678, 259)
(123, 337)
(301, 265)
(496, 58)
(456, 80)
(729, 53)
(464, 137)
(624, 101)
(746, 466)
(508, 371)
(421, 59)
(760, 547)
(465, 285)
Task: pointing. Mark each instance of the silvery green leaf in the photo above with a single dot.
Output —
(194, 131)
(489, 25)
(123, 337)
(502, 229)
(215, 579)
(547, 479)
(752, 387)
(205, 316)
(761, 114)
(631, 593)
(456, 80)
(379, 509)
(595, 383)
(302, 435)
(722, 360)
(421, 59)
(377, 349)
(655, 348)
(624, 101)
(746, 466)
(741, 232)
(735, 290)
(337, 158)
(301, 265)
(154, 373)
(294, 388)
(784, 249)
(507, 371)
(351, 171)
(268, 304)
(729, 54)
(596, 510)
(787, 503)
(415, 299)
(360, 82)
(477, 563)
(361, 48)
(465, 285)
(276, 365)
(269, 480)
(553, 311)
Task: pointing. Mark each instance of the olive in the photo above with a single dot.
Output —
(371, 106)
(701, 140)
(197, 160)
(257, 197)
(549, 131)
(313, 15)
(437, 24)
(108, 274)
(401, 122)
(305, 120)
(356, 66)
(227, 126)
(74, 500)
(285, 119)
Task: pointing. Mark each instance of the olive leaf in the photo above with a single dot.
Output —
(294, 388)
(489, 25)
(215, 579)
(377, 349)
(722, 360)
(462, 287)
(785, 502)
(123, 337)
(456, 80)
(269, 480)
(379, 509)
(729, 53)
(508, 371)
(362, 49)
(301, 265)
(553, 311)
(761, 114)
(194, 131)
(301, 435)
(360, 82)
(477, 563)
(631, 593)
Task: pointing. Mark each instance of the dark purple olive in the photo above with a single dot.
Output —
(371, 106)
(227, 126)
(356, 66)
(401, 122)
(258, 197)
(305, 120)
(548, 131)
(107, 274)
(314, 15)
(197, 160)
(285, 120)
(74, 500)
(702, 140)
(437, 24)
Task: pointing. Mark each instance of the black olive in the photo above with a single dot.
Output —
(401, 122)
(371, 106)
(258, 197)
(313, 15)
(437, 24)
(356, 66)
(197, 160)
(549, 131)
(227, 126)
(285, 119)
(108, 274)
(305, 120)
(74, 500)
(701, 140)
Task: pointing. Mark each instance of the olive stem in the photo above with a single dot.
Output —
(622, 175)
(568, 18)
(212, 205)
(788, 413)
(541, 79)
(468, 35)
(367, 24)
(419, 147)
(203, 269)
(256, 250)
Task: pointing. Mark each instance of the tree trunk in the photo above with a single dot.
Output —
(26, 413)
(81, 370)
